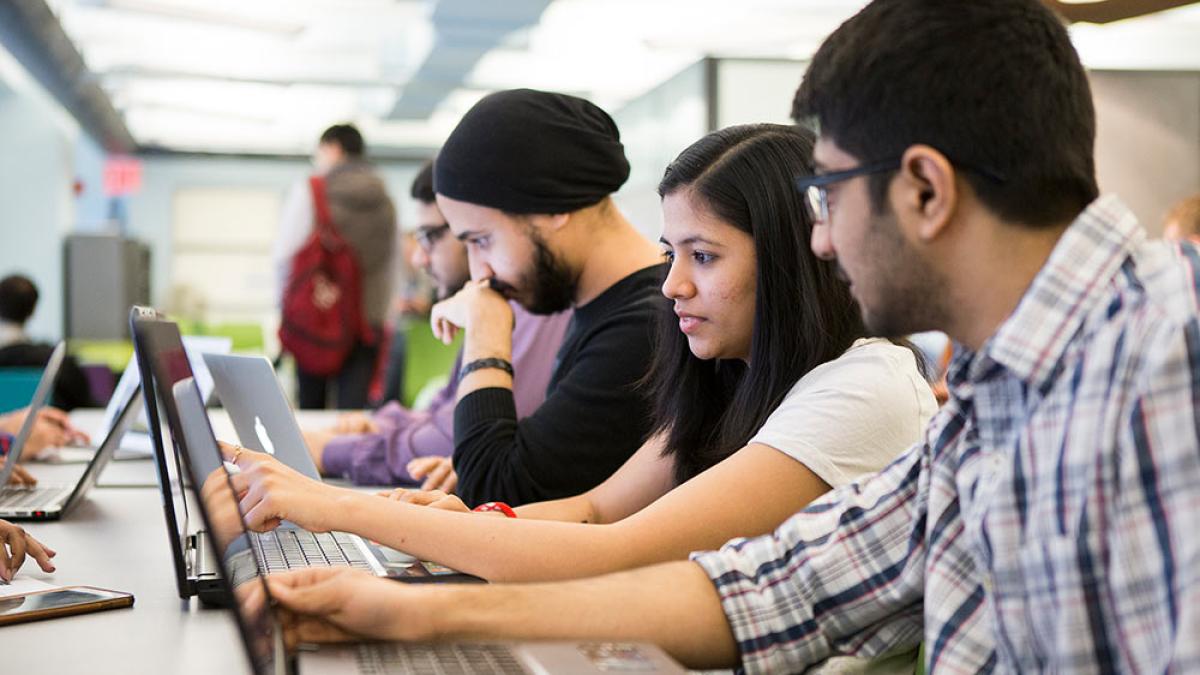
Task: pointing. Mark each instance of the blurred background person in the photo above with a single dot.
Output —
(363, 214)
(409, 309)
(18, 300)
(1183, 220)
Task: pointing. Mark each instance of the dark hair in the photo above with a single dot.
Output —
(347, 137)
(994, 85)
(803, 315)
(422, 185)
(18, 298)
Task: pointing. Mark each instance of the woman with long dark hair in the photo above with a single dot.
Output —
(765, 395)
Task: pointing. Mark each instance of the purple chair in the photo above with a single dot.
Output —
(101, 381)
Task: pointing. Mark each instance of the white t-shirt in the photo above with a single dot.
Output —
(853, 415)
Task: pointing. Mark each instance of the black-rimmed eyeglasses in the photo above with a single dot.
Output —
(428, 235)
(816, 196)
(816, 193)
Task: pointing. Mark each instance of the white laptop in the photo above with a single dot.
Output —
(136, 442)
(51, 502)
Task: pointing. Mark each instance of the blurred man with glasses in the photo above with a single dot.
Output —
(397, 446)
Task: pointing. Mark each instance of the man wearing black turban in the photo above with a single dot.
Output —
(525, 181)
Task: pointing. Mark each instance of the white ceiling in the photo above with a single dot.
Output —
(266, 76)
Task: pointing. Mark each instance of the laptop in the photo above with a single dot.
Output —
(137, 443)
(264, 421)
(160, 355)
(259, 410)
(196, 571)
(259, 627)
(52, 502)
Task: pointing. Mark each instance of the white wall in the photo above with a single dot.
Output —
(37, 169)
(750, 91)
(1148, 139)
(152, 209)
(655, 127)
(1147, 146)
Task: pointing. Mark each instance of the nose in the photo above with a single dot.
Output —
(418, 257)
(479, 267)
(678, 284)
(821, 242)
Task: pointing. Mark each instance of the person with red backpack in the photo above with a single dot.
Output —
(334, 266)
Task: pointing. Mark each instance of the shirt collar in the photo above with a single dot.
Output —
(1032, 341)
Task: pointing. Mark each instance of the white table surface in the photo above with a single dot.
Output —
(117, 539)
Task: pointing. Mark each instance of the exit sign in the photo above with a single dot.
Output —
(122, 176)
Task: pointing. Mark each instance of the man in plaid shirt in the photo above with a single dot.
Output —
(1050, 520)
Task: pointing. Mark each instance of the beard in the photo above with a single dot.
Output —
(909, 294)
(551, 285)
(554, 283)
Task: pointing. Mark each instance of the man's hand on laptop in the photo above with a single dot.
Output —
(316, 442)
(270, 492)
(438, 473)
(15, 544)
(340, 604)
(19, 476)
(355, 423)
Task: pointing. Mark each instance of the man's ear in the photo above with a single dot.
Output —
(549, 222)
(926, 191)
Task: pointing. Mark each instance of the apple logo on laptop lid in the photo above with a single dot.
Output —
(261, 431)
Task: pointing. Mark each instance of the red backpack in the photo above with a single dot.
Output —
(322, 301)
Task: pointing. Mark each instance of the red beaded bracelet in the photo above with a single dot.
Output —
(500, 507)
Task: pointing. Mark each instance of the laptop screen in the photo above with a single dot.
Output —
(145, 329)
(194, 441)
(40, 395)
(195, 346)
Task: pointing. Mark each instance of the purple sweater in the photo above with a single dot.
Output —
(381, 458)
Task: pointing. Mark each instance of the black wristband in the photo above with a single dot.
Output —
(480, 364)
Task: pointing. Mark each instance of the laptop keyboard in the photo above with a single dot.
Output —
(12, 497)
(281, 549)
(449, 659)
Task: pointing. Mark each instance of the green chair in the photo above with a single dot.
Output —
(247, 337)
(112, 353)
(17, 386)
(425, 360)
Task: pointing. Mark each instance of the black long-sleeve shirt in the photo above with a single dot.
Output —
(592, 419)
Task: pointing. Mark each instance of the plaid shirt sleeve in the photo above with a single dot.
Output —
(1134, 580)
(844, 576)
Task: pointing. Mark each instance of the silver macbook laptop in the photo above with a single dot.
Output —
(162, 358)
(259, 409)
(40, 396)
(264, 421)
(244, 576)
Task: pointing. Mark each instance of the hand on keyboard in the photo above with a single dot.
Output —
(270, 492)
(338, 604)
(19, 476)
